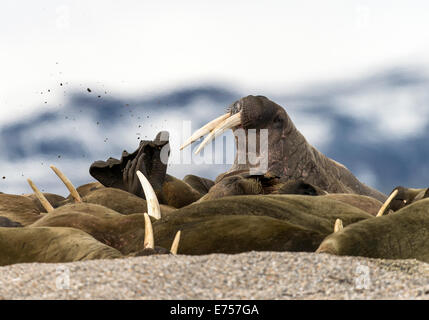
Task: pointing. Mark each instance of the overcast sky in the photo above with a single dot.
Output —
(136, 47)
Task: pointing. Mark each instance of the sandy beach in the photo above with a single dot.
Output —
(252, 275)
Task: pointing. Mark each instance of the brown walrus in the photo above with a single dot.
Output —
(403, 234)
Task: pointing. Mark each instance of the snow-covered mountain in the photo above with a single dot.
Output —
(376, 126)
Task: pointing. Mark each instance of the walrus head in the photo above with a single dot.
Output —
(401, 197)
(258, 113)
(254, 113)
(282, 151)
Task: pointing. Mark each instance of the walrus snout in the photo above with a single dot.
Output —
(328, 246)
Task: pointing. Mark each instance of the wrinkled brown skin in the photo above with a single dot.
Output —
(21, 245)
(365, 203)
(58, 244)
(405, 197)
(118, 200)
(290, 156)
(228, 225)
(177, 193)
(400, 235)
(54, 199)
(19, 209)
(112, 216)
(85, 189)
(245, 184)
(264, 223)
(235, 185)
(201, 185)
(122, 232)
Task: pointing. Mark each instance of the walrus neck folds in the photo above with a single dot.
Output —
(290, 157)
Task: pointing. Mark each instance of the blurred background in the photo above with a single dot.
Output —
(82, 81)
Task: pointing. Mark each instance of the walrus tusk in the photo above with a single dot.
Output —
(45, 203)
(68, 184)
(385, 204)
(228, 123)
(153, 208)
(149, 241)
(204, 130)
(338, 225)
(175, 245)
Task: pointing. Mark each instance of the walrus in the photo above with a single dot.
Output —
(118, 200)
(112, 198)
(19, 209)
(401, 197)
(125, 233)
(56, 244)
(54, 199)
(46, 244)
(122, 231)
(78, 231)
(289, 158)
(365, 203)
(245, 223)
(403, 234)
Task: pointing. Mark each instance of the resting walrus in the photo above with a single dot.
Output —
(289, 158)
(403, 234)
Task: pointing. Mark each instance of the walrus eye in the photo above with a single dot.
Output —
(278, 122)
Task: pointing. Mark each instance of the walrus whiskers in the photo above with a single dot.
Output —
(149, 241)
(338, 225)
(228, 123)
(45, 203)
(67, 183)
(153, 208)
(386, 203)
(175, 245)
(204, 130)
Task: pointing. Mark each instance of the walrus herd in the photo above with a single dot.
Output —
(300, 201)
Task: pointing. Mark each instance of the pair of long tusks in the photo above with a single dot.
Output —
(204, 130)
(386, 204)
(214, 129)
(67, 183)
(338, 225)
(45, 203)
(153, 208)
(149, 240)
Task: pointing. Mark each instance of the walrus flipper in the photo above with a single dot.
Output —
(150, 158)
